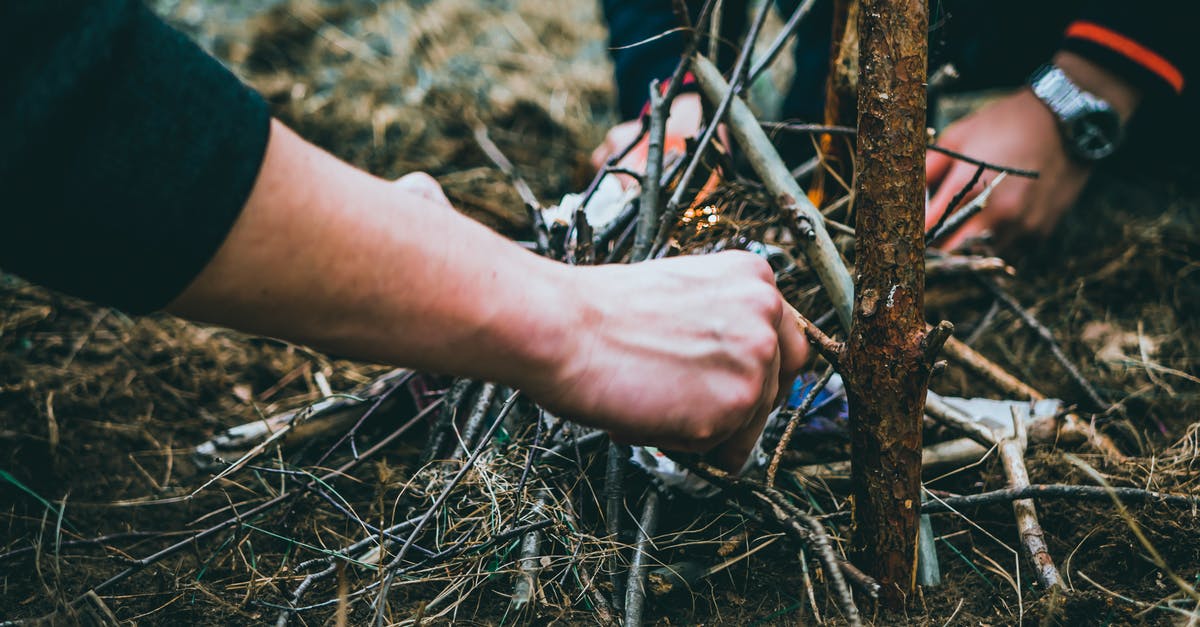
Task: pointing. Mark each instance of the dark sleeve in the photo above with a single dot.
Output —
(642, 53)
(1146, 43)
(127, 152)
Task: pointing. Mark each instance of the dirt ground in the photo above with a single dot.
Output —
(99, 412)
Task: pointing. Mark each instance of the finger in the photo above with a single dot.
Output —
(954, 182)
(601, 154)
(795, 351)
(974, 228)
(731, 455)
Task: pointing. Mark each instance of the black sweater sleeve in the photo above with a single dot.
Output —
(1149, 44)
(127, 154)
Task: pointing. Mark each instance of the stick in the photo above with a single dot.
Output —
(1032, 174)
(793, 421)
(1012, 456)
(312, 421)
(1012, 452)
(614, 504)
(540, 233)
(1062, 492)
(954, 222)
(962, 193)
(807, 222)
(1048, 338)
(635, 590)
(781, 39)
(959, 265)
(483, 403)
(528, 565)
(648, 212)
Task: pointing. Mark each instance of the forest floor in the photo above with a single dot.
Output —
(99, 412)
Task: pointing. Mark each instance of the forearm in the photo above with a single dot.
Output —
(327, 255)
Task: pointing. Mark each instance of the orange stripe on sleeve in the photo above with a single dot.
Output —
(1131, 49)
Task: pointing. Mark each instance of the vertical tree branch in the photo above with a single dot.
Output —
(648, 212)
(887, 371)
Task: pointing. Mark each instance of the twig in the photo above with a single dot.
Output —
(959, 265)
(1048, 338)
(962, 193)
(1012, 452)
(648, 212)
(528, 564)
(1012, 456)
(483, 403)
(614, 505)
(635, 589)
(954, 222)
(266, 506)
(809, 129)
(314, 420)
(793, 421)
(781, 39)
(540, 233)
(973, 161)
(829, 348)
(1063, 492)
(806, 221)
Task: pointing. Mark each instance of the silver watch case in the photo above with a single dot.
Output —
(1091, 129)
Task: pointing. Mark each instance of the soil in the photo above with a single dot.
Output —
(99, 412)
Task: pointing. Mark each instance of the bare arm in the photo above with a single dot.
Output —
(687, 353)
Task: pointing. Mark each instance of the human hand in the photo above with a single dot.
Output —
(683, 123)
(1020, 131)
(1016, 131)
(688, 354)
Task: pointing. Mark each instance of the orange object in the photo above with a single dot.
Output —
(1129, 48)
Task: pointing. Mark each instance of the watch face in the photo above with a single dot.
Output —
(1093, 135)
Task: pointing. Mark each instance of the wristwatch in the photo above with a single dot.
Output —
(1091, 129)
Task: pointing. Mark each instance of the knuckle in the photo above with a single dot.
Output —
(744, 397)
(702, 433)
(761, 346)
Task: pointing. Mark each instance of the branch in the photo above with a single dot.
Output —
(807, 222)
(493, 152)
(1048, 338)
(635, 589)
(991, 166)
(935, 338)
(648, 213)
(828, 347)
